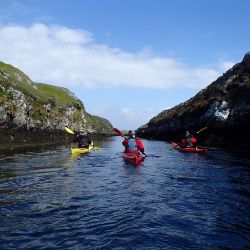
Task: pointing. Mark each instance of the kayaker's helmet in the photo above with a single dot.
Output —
(187, 134)
(131, 133)
(82, 132)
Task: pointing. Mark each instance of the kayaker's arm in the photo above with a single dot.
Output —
(75, 138)
(142, 151)
(140, 146)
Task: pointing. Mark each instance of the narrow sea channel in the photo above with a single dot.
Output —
(50, 199)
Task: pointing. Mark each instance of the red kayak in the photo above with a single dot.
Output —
(190, 150)
(133, 158)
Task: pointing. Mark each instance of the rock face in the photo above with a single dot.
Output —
(26, 105)
(223, 107)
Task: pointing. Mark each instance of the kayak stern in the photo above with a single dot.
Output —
(135, 159)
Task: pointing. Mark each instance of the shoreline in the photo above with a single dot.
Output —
(34, 145)
(12, 140)
(22, 140)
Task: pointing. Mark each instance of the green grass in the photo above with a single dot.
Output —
(11, 76)
(98, 123)
(39, 92)
(59, 95)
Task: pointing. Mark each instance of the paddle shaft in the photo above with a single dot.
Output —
(201, 130)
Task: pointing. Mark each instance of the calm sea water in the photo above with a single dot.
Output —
(50, 199)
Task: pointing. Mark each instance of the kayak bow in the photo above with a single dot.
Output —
(135, 159)
(189, 149)
(81, 150)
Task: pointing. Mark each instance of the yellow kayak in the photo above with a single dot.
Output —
(81, 150)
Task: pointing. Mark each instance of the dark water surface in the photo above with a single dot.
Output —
(52, 200)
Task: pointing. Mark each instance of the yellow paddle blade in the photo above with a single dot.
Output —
(69, 130)
(201, 130)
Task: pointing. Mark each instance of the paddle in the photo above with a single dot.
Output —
(122, 135)
(119, 132)
(171, 149)
(72, 133)
(69, 130)
(201, 130)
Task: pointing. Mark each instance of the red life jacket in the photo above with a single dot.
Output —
(193, 140)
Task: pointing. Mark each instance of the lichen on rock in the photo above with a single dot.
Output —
(224, 106)
(27, 105)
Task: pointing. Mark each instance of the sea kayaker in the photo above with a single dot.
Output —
(133, 144)
(82, 139)
(187, 142)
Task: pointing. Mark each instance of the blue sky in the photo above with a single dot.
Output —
(126, 60)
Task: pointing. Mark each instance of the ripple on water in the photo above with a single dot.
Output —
(52, 199)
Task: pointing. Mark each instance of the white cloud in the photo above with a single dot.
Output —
(140, 116)
(63, 56)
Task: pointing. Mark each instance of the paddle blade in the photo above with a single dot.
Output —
(201, 130)
(119, 132)
(69, 131)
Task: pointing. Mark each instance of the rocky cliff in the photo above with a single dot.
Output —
(29, 106)
(224, 107)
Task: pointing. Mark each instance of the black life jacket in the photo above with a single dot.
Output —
(83, 141)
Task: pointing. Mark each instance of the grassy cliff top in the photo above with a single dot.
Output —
(44, 93)
(61, 96)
